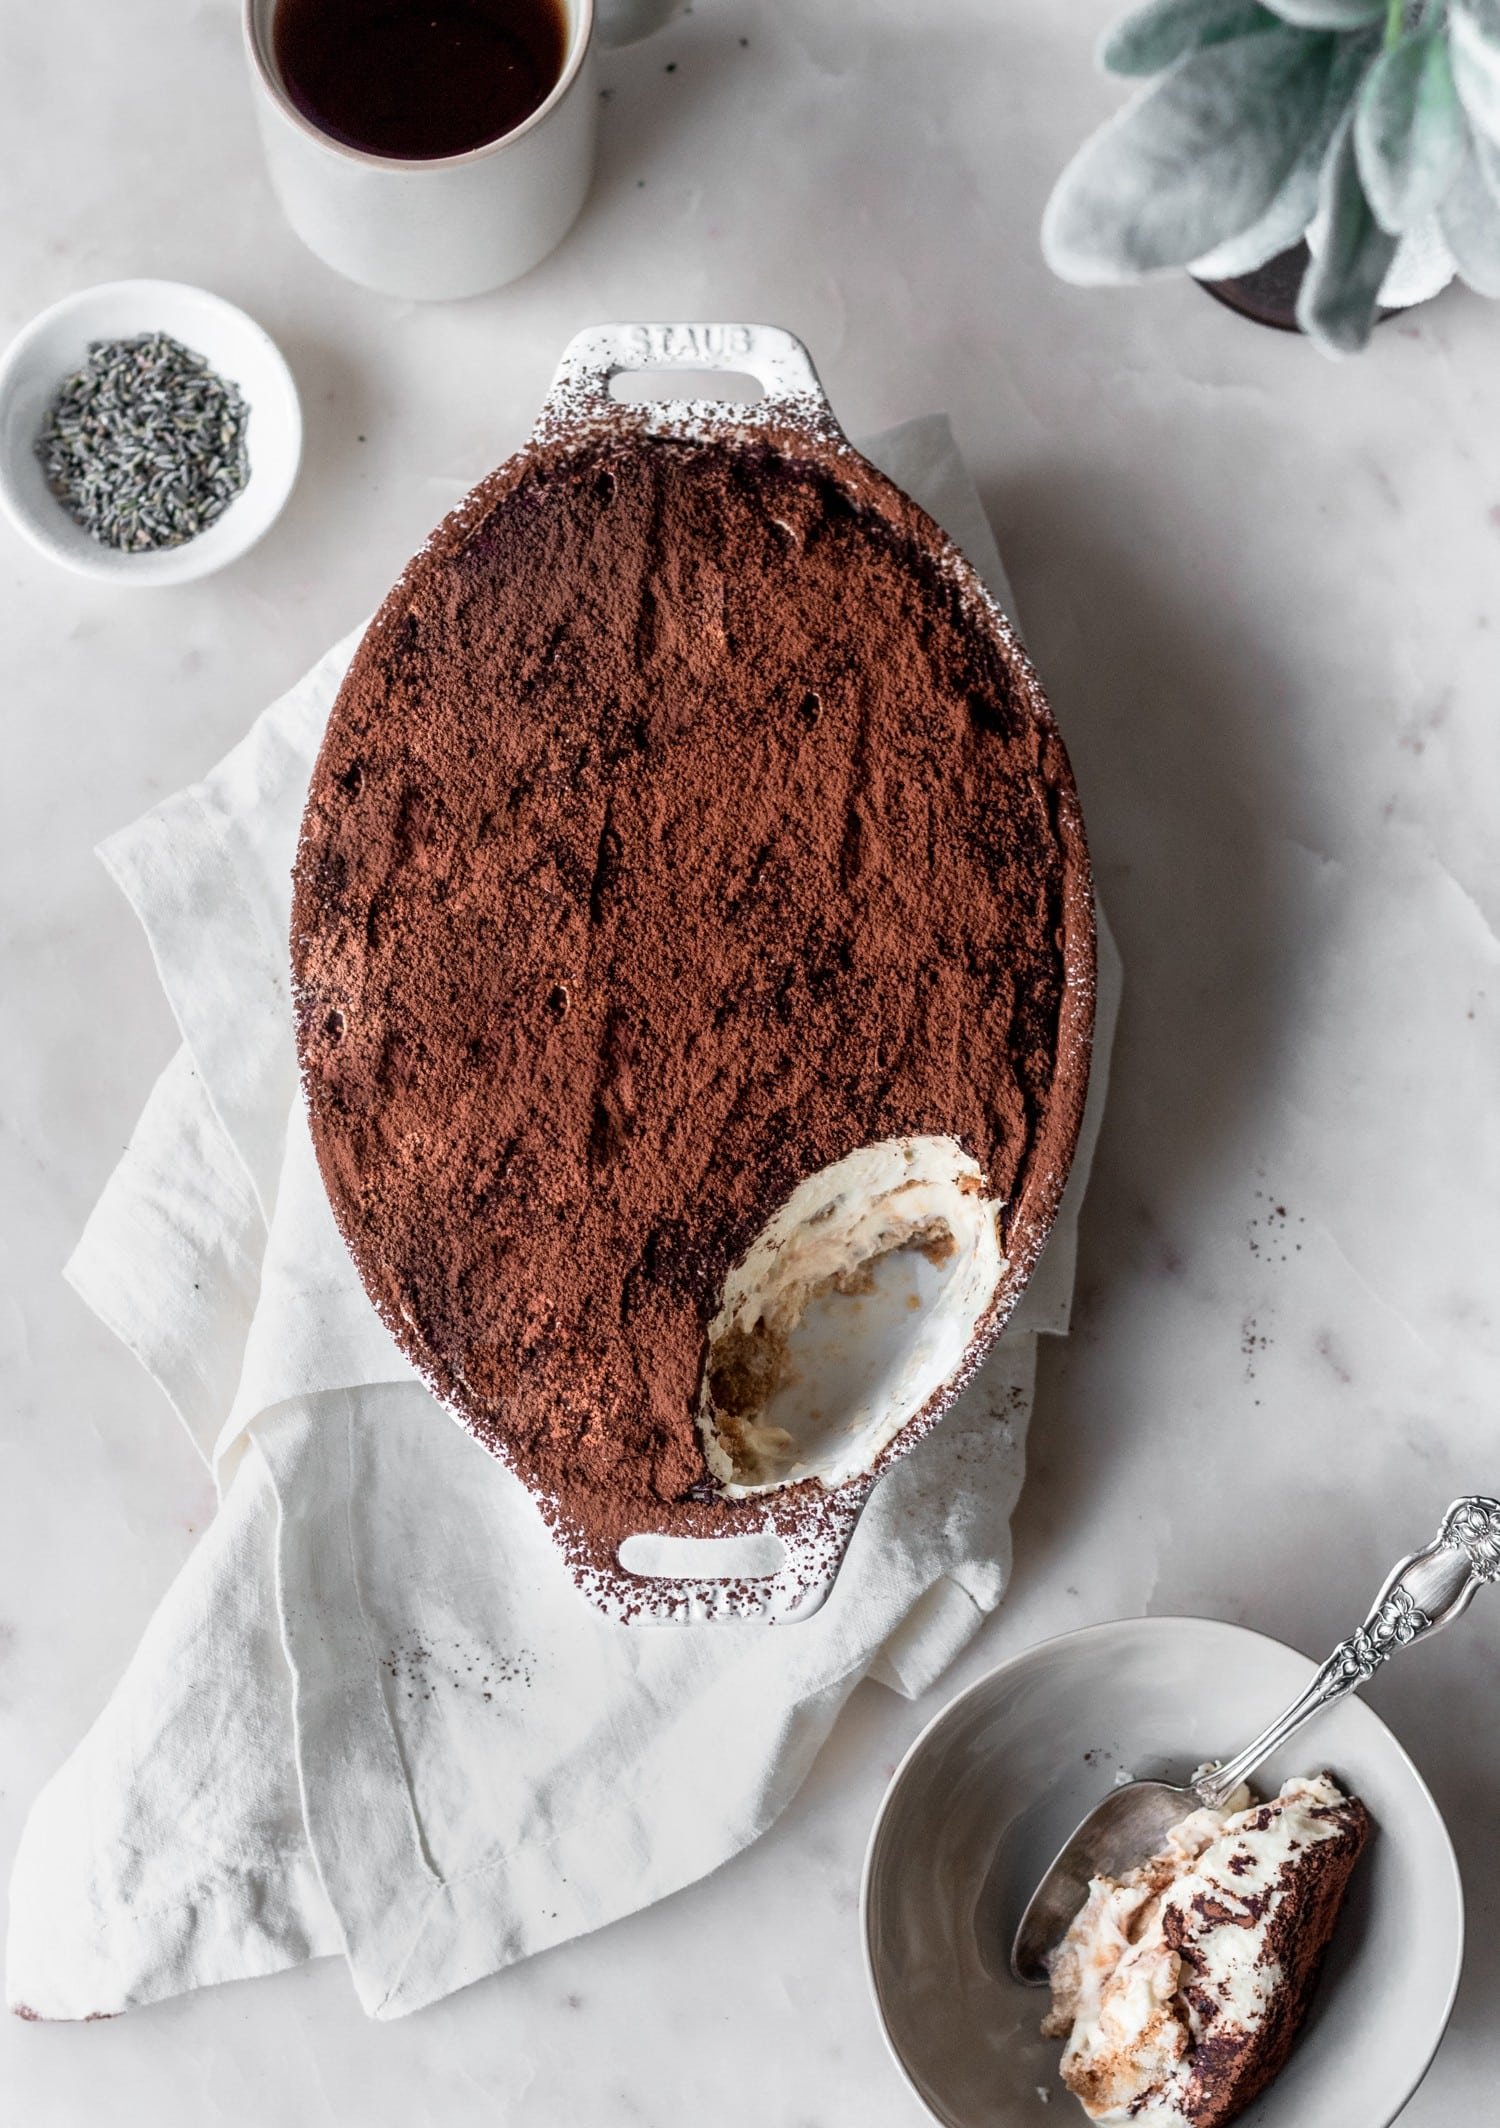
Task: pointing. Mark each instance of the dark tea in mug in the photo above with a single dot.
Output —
(417, 79)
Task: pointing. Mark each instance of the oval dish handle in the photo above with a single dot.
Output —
(580, 390)
(815, 1546)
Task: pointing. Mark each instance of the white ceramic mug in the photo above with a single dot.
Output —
(449, 226)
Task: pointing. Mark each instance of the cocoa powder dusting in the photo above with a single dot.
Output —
(1231, 2065)
(679, 828)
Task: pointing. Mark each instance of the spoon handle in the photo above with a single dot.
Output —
(1423, 1593)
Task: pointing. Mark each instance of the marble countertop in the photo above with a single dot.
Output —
(1265, 593)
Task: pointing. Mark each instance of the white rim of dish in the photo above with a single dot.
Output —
(1113, 1625)
(581, 22)
(116, 571)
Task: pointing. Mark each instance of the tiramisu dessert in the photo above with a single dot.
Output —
(692, 910)
(1180, 1987)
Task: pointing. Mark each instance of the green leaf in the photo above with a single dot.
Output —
(1340, 296)
(1487, 155)
(1470, 220)
(1193, 160)
(1409, 130)
(1329, 14)
(1422, 268)
(1294, 206)
(1151, 38)
(1474, 39)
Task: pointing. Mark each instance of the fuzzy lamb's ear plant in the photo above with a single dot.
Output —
(1330, 14)
(1149, 40)
(1340, 291)
(1470, 211)
(1409, 130)
(1474, 26)
(1365, 126)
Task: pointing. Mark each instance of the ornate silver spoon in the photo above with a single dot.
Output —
(1425, 1592)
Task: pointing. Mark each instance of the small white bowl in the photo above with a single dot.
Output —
(990, 1790)
(56, 343)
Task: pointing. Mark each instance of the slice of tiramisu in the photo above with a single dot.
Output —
(1180, 1987)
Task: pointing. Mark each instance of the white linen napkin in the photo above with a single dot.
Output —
(373, 1715)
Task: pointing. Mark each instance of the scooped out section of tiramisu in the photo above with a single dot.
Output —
(854, 1306)
(1180, 1987)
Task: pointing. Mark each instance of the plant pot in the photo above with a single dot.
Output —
(1268, 296)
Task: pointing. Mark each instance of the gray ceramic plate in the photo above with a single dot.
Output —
(993, 1786)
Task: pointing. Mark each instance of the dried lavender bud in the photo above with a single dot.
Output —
(145, 445)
